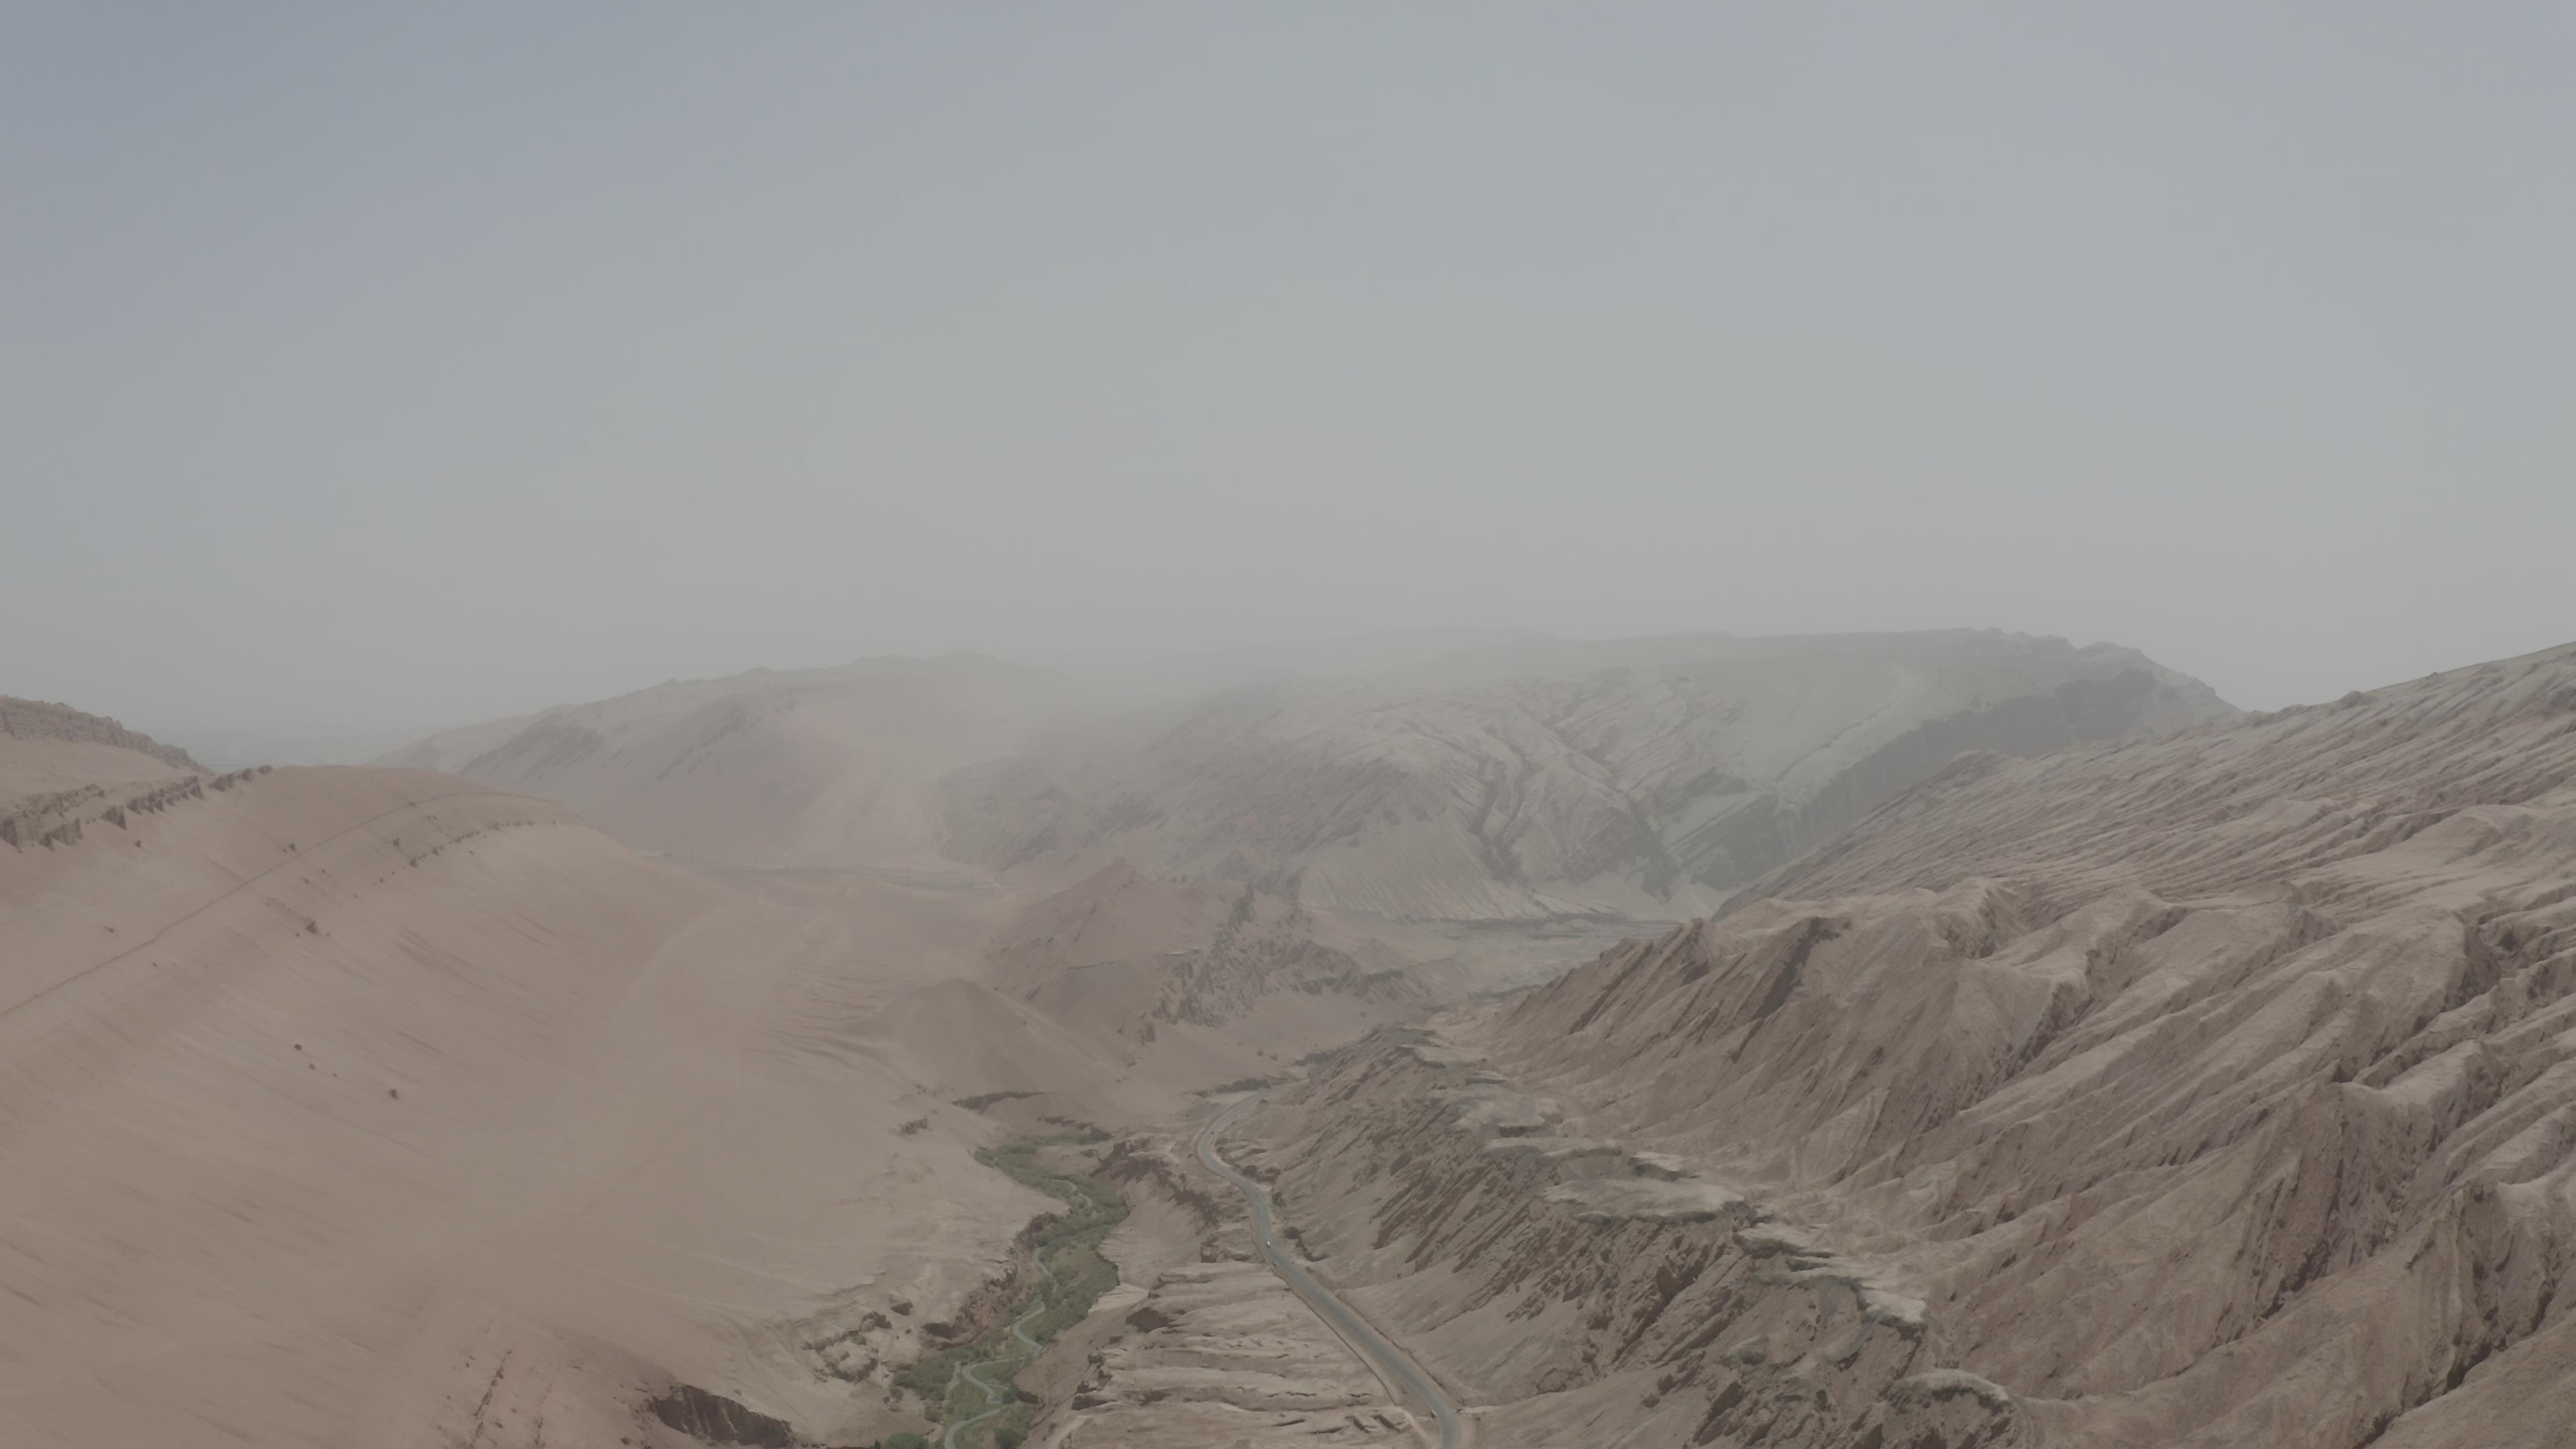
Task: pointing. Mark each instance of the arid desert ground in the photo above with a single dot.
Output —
(1461, 724)
(2067, 1058)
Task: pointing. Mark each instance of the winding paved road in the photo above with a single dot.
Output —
(1390, 1363)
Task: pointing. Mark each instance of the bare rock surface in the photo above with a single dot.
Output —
(2214, 1089)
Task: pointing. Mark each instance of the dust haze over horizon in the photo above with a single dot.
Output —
(381, 371)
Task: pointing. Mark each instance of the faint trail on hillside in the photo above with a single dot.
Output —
(246, 882)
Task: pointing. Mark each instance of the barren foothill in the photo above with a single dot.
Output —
(2167, 1076)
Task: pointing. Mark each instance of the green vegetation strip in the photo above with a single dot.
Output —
(1072, 1276)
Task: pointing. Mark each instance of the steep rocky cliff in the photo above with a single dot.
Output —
(2217, 1089)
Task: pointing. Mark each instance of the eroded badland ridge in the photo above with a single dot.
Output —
(2212, 1089)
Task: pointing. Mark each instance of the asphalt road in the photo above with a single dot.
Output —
(1390, 1364)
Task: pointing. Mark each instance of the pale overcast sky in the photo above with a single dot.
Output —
(372, 367)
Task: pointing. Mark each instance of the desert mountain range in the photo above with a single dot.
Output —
(2211, 1089)
(1644, 778)
(2057, 1056)
(354, 1102)
(1502, 780)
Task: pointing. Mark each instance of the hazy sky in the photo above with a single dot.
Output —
(369, 367)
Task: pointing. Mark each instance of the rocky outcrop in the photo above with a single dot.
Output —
(719, 1420)
(2208, 1090)
(28, 719)
(63, 816)
(1162, 1174)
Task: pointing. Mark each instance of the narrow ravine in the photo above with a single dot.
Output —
(999, 1396)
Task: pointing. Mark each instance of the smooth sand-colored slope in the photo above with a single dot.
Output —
(1646, 778)
(1198, 984)
(373, 1107)
(815, 767)
(2215, 1090)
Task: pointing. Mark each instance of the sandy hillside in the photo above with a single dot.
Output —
(1198, 984)
(1644, 778)
(2215, 1090)
(971, 1045)
(818, 767)
(363, 1106)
